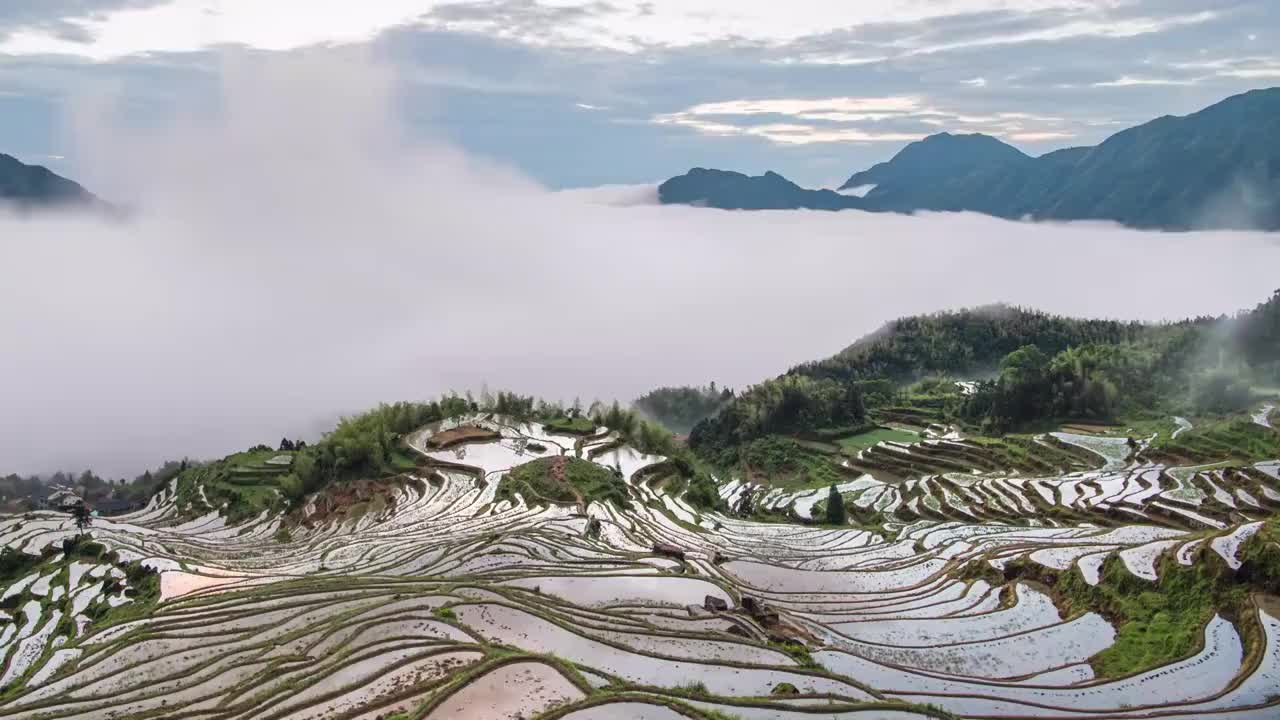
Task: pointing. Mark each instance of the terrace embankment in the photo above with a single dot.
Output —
(518, 577)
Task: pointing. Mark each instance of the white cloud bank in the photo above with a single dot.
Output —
(627, 25)
(295, 258)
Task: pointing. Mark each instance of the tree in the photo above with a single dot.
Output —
(1222, 392)
(83, 518)
(286, 444)
(836, 514)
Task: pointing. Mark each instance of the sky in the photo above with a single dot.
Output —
(286, 264)
(581, 93)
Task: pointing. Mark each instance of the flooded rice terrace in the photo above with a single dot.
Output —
(449, 602)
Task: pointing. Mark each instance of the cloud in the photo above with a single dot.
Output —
(861, 108)
(1249, 68)
(718, 118)
(290, 262)
(836, 59)
(129, 27)
(104, 29)
(1103, 27)
(61, 18)
(614, 195)
(787, 133)
(982, 29)
(529, 21)
(855, 120)
(1130, 81)
(507, 87)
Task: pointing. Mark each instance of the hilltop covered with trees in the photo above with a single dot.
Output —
(1024, 370)
(680, 408)
(18, 493)
(1028, 368)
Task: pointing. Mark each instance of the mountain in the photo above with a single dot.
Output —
(727, 190)
(37, 186)
(592, 565)
(940, 157)
(1217, 168)
(505, 570)
(1047, 370)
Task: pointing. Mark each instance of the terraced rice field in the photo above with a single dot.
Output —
(446, 602)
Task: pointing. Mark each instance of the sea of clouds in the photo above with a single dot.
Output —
(293, 255)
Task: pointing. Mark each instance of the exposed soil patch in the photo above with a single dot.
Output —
(354, 499)
(459, 435)
(1088, 428)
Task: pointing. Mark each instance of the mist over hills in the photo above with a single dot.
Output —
(1217, 168)
(999, 511)
(138, 302)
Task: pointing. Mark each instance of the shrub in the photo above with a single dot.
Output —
(836, 512)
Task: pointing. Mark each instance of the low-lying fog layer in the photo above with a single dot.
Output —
(293, 257)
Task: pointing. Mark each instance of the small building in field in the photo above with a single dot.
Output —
(63, 499)
(113, 507)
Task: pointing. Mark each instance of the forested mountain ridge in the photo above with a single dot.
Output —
(964, 342)
(726, 190)
(680, 408)
(1022, 368)
(943, 156)
(1216, 168)
(37, 186)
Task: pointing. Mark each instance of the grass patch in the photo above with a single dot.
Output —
(790, 464)
(241, 486)
(693, 689)
(798, 652)
(145, 586)
(852, 444)
(1162, 622)
(1238, 438)
(562, 479)
(403, 461)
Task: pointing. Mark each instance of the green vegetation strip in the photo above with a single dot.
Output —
(1162, 622)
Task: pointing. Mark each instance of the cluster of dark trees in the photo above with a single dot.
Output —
(21, 492)
(1091, 382)
(364, 445)
(962, 343)
(1203, 366)
(18, 487)
(367, 445)
(837, 392)
(787, 405)
(836, 511)
(680, 408)
(1042, 367)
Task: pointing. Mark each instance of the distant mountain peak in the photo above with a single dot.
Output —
(728, 190)
(939, 156)
(37, 186)
(1218, 167)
